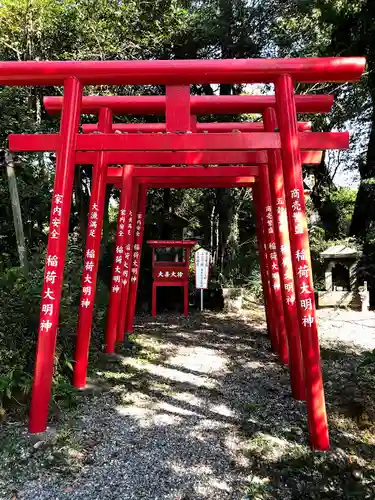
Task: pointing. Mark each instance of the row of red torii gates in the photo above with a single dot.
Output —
(266, 156)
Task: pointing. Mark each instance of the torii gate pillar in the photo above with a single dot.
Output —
(55, 260)
(299, 242)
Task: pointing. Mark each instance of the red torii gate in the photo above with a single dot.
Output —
(174, 182)
(121, 104)
(285, 342)
(278, 337)
(85, 315)
(126, 319)
(282, 73)
(208, 105)
(252, 103)
(294, 343)
(152, 177)
(198, 104)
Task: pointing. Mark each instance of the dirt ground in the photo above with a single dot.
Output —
(201, 409)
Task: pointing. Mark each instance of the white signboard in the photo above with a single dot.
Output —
(202, 267)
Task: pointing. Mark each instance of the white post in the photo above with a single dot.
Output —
(201, 299)
(16, 209)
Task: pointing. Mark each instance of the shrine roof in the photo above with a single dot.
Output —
(340, 251)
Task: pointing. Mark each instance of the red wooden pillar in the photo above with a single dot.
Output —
(118, 261)
(268, 304)
(295, 204)
(137, 253)
(186, 284)
(91, 259)
(273, 267)
(55, 260)
(154, 287)
(276, 178)
(130, 267)
(153, 300)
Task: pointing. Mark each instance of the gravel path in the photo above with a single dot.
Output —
(349, 327)
(192, 415)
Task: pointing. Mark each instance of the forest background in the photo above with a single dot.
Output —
(341, 206)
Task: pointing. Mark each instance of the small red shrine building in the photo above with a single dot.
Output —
(171, 273)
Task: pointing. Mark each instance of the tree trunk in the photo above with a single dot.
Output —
(226, 18)
(217, 243)
(82, 203)
(38, 119)
(16, 210)
(212, 228)
(364, 211)
(320, 196)
(106, 228)
(165, 228)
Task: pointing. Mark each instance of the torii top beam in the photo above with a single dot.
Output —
(182, 72)
(199, 105)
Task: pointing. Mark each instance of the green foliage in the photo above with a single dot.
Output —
(337, 211)
(366, 370)
(41, 28)
(368, 361)
(19, 318)
(254, 283)
(317, 245)
(19, 314)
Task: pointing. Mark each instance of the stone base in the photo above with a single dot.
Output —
(233, 299)
(339, 299)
